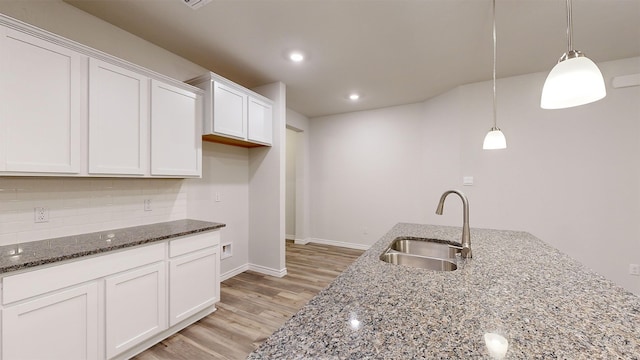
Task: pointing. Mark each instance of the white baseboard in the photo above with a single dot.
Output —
(233, 272)
(267, 271)
(289, 237)
(280, 273)
(338, 243)
(302, 241)
(253, 267)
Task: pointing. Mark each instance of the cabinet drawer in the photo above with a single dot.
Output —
(189, 244)
(33, 283)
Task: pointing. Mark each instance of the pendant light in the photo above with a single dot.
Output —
(495, 138)
(575, 80)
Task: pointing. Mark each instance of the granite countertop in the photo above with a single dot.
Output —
(21, 256)
(545, 304)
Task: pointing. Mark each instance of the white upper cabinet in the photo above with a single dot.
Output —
(69, 110)
(176, 143)
(41, 103)
(229, 111)
(118, 120)
(233, 114)
(260, 121)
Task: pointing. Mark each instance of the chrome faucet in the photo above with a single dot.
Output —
(466, 237)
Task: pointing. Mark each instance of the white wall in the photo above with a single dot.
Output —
(79, 206)
(290, 184)
(570, 177)
(300, 124)
(267, 191)
(225, 172)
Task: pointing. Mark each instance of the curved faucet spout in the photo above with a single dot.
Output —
(466, 236)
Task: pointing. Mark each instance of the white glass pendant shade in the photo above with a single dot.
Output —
(573, 82)
(494, 140)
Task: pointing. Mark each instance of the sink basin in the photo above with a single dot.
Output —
(418, 261)
(425, 248)
(422, 253)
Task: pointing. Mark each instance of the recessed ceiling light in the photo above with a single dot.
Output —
(354, 97)
(296, 56)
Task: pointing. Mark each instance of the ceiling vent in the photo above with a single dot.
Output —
(195, 4)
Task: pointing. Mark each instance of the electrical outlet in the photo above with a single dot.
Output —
(40, 214)
(147, 205)
(634, 269)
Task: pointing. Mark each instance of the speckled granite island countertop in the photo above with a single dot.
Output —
(544, 303)
(35, 253)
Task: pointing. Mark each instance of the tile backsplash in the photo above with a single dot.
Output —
(81, 205)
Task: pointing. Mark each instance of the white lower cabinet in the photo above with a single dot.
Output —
(63, 325)
(136, 307)
(194, 283)
(109, 306)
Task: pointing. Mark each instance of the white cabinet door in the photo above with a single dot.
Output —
(61, 326)
(229, 111)
(176, 131)
(41, 101)
(118, 120)
(135, 307)
(194, 283)
(260, 121)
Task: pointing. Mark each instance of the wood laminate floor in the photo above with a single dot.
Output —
(253, 306)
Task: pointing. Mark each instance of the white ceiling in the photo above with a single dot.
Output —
(390, 51)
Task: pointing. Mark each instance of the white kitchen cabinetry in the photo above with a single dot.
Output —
(118, 120)
(194, 275)
(69, 110)
(176, 144)
(41, 103)
(63, 325)
(233, 114)
(260, 120)
(229, 111)
(135, 307)
(110, 306)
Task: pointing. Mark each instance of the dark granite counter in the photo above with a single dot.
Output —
(547, 306)
(29, 254)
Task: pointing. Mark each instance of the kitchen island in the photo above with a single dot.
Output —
(545, 304)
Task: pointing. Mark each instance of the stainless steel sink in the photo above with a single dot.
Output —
(425, 248)
(418, 261)
(423, 253)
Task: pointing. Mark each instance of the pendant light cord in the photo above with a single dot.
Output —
(495, 101)
(569, 28)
